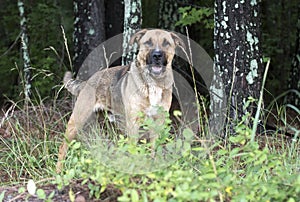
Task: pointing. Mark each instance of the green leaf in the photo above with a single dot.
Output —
(2, 196)
(188, 134)
(209, 176)
(41, 194)
(59, 182)
(134, 196)
(177, 113)
(291, 200)
(71, 195)
(21, 190)
(76, 145)
(51, 195)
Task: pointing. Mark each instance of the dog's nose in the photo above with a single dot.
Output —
(157, 54)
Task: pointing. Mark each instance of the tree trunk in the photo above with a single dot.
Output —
(294, 80)
(89, 31)
(238, 58)
(114, 22)
(25, 51)
(132, 23)
(168, 14)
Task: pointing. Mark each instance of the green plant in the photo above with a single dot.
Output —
(244, 170)
(241, 170)
(192, 15)
(2, 196)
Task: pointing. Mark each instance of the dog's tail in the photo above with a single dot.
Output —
(74, 86)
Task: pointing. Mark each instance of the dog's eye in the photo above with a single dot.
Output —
(166, 43)
(148, 43)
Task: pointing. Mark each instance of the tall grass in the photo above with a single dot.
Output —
(260, 170)
(29, 140)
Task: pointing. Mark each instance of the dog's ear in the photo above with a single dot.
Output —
(137, 36)
(178, 41)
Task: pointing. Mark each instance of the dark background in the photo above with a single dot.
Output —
(49, 58)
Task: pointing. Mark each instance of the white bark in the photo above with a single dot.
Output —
(25, 51)
(132, 23)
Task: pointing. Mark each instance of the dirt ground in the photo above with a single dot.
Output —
(80, 191)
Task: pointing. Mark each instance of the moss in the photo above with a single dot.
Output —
(253, 72)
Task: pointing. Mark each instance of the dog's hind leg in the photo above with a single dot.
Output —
(82, 115)
(73, 129)
(70, 135)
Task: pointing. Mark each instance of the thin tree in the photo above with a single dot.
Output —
(25, 51)
(238, 60)
(294, 80)
(132, 23)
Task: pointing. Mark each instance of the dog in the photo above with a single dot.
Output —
(144, 86)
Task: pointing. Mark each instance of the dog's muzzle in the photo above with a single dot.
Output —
(156, 62)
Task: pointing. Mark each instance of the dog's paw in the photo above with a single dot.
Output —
(98, 107)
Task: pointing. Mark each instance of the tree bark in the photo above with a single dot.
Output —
(168, 14)
(294, 80)
(89, 30)
(25, 51)
(238, 59)
(132, 23)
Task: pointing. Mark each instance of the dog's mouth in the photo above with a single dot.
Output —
(156, 69)
(156, 61)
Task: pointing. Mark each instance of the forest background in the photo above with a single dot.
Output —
(235, 168)
(48, 52)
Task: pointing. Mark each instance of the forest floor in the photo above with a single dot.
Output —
(80, 191)
(17, 129)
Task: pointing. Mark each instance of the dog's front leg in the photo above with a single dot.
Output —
(132, 129)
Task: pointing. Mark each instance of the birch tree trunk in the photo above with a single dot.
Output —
(89, 31)
(294, 80)
(25, 51)
(238, 59)
(132, 23)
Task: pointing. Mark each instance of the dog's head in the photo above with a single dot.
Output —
(156, 49)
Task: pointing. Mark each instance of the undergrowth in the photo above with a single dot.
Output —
(237, 169)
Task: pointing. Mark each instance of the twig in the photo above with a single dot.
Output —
(107, 60)
(193, 75)
(230, 93)
(13, 45)
(10, 109)
(256, 120)
(66, 45)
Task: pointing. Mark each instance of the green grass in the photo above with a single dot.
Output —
(266, 169)
(29, 142)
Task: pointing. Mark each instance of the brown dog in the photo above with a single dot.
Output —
(142, 87)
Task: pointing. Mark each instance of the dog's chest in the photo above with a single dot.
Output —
(155, 100)
(155, 95)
